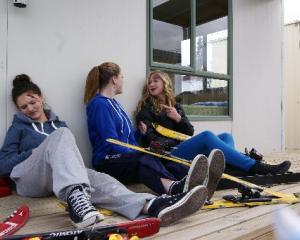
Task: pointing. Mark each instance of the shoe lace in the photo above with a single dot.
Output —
(171, 198)
(81, 203)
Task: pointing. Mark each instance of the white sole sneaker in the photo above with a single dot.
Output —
(216, 163)
(189, 204)
(90, 219)
(197, 173)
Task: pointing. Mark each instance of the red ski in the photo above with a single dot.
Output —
(14, 222)
(140, 228)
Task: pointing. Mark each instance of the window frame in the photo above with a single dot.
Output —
(151, 65)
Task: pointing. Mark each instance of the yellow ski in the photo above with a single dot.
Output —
(228, 204)
(170, 133)
(284, 196)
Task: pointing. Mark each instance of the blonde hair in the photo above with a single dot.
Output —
(157, 102)
(98, 77)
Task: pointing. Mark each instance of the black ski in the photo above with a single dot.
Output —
(141, 228)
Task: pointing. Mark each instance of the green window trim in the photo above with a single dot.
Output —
(191, 70)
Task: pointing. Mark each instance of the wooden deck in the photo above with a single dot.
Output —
(236, 223)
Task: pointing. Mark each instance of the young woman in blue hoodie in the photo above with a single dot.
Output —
(41, 156)
(106, 118)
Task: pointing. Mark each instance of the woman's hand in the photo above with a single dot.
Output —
(36, 97)
(172, 113)
(142, 127)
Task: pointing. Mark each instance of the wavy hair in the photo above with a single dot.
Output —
(157, 102)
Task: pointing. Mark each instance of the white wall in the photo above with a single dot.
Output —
(57, 42)
(257, 77)
(3, 82)
(292, 85)
(257, 73)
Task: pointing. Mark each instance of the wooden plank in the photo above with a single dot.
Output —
(237, 223)
(49, 222)
(200, 226)
(259, 227)
(210, 215)
(220, 224)
(59, 221)
(37, 206)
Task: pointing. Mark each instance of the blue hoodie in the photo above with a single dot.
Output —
(22, 137)
(107, 119)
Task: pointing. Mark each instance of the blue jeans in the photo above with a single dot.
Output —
(206, 141)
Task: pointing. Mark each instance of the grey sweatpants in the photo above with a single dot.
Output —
(56, 164)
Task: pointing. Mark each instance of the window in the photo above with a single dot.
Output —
(191, 40)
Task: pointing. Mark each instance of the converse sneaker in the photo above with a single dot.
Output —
(216, 163)
(170, 209)
(196, 176)
(264, 169)
(82, 212)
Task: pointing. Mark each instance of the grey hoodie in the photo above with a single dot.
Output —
(22, 137)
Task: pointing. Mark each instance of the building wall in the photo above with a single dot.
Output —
(57, 43)
(257, 77)
(3, 66)
(292, 85)
(257, 73)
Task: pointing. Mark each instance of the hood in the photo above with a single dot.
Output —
(21, 118)
(43, 128)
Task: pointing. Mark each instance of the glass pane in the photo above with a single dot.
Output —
(211, 35)
(201, 96)
(171, 32)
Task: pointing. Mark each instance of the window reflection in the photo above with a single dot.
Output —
(211, 46)
(171, 44)
(171, 32)
(201, 96)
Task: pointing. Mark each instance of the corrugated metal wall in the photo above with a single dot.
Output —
(292, 85)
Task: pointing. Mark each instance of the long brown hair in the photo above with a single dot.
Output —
(98, 77)
(156, 102)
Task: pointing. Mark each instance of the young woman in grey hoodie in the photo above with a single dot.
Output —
(41, 156)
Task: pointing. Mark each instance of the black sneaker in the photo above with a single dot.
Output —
(264, 169)
(196, 176)
(170, 209)
(81, 211)
(216, 163)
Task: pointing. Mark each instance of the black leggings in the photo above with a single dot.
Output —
(137, 167)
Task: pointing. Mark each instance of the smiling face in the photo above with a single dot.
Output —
(31, 105)
(156, 86)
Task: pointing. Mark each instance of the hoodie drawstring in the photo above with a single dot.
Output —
(119, 115)
(53, 125)
(129, 124)
(42, 127)
(122, 115)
